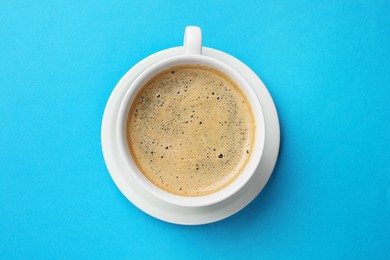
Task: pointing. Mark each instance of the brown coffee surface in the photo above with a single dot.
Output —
(190, 130)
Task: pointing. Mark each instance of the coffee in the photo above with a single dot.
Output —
(190, 130)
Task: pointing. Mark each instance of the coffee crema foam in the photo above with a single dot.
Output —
(190, 130)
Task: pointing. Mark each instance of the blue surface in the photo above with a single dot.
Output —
(326, 64)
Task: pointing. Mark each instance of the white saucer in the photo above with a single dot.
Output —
(177, 214)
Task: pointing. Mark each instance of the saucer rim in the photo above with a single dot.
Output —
(174, 213)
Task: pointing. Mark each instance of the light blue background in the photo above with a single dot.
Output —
(326, 64)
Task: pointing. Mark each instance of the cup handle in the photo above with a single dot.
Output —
(193, 40)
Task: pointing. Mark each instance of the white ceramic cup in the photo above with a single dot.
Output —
(192, 54)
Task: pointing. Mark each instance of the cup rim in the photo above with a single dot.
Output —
(258, 147)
